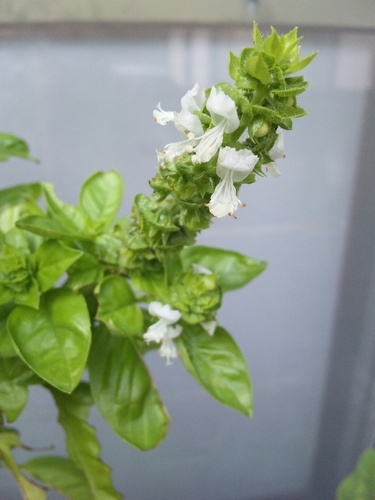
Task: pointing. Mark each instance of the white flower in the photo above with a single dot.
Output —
(168, 349)
(232, 166)
(186, 121)
(277, 151)
(162, 331)
(163, 117)
(224, 116)
(193, 99)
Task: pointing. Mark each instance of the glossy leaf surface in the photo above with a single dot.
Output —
(101, 197)
(217, 363)
(117, 306)
(54, 340)
(124, 391)
(52, 260)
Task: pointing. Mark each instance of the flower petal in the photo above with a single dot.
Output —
(222, 106)
(163, 117)
(210, 142)
(224, 200)
(193, 99)
(242, 163)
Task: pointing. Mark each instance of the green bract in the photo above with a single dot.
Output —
(83, 288)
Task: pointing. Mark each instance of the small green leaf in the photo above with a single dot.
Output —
(233, 269)
(300, 64)
(82, 443)
(234, 64)
(117, 306)
(52, 259)
(257, 68)
(273, 45)
(360, 485)
(18, 194)
(257, 37)
(54, 340)
(10, 145)
(73, 219)
(217, 363)
(61, 474)
(124, 391)
(28, 297)
(15, 376)
(101, 197)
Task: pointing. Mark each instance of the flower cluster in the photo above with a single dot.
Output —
(233, 164)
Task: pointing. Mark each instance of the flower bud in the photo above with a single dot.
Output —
(258, 128)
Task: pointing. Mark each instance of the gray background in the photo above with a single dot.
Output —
(83, 98)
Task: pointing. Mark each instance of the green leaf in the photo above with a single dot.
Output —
(82, 443)
(19, 193)
(118, 308)
(73, 219)
(217, 363)
(85, 271)
(49, 228)
(8, 440)
(54, 340)
(301, 64)
(101, 197)
(257, 37)
(52, 259)
(124, 391)
(151, 283)
(6, 344)
(61, 474)
(360, 485)
(12, 212)
(14, 379)
(10, 145)
(28, 297)
(273, 45)
(234, 64)
(233, 269)
(257, 68)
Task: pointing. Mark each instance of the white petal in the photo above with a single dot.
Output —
(222, 106)
(163, 117)
(193, 99)
(242, 163)
(188, 122)
(210, 326)
(272, 169)
(177, 148)
(156, 332)
(278, 149)
(224, 200)
(210, 142)
(168, 350)
(164, 312)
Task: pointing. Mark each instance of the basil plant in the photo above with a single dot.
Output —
(81, 288)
